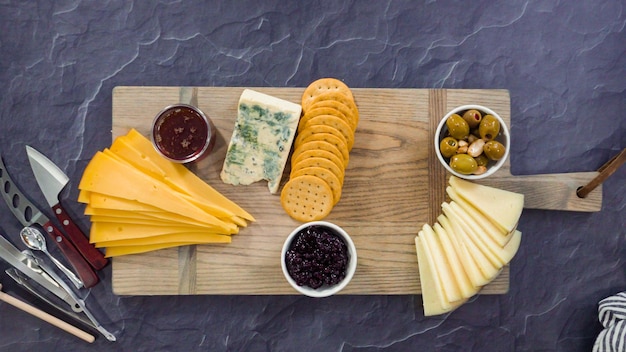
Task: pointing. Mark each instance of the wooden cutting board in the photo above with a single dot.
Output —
(393, 185)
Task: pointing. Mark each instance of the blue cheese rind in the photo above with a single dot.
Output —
(259, 147)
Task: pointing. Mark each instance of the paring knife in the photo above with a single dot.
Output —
(28, 214)
(51, 181)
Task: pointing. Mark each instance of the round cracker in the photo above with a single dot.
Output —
(339, 106)
(339, 97)
(325, 175)
(317, 153)
(315, 129)
(325, 110)
(307, 198)
(327, 142)
(334, 122)
(321, 86)
(319, 162)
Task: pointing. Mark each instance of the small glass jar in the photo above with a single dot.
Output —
(182, 133)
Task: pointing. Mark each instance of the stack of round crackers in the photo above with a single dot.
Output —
(321, 150)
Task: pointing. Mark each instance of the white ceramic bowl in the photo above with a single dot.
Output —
(325, 290)
(503, 137)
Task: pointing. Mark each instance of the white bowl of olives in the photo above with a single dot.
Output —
(472, 142)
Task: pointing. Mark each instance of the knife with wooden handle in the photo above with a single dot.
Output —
(28, 214)
(51, 181)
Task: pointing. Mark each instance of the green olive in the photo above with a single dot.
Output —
(448, 147)
(457, 127)
(494, 150)
(463, 164)
(489, 128)
(482, 159)
(472, 117)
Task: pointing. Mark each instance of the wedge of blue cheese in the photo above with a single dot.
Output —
(262, 138)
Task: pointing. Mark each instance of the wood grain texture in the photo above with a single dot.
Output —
(392, 187)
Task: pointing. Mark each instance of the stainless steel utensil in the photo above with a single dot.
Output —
(34, 239)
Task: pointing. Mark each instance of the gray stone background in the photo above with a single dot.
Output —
(564, 63)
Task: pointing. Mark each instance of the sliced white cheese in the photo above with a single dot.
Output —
(456, 264)
(512, 247)
(475, 275)
(489, 270)
(442, 268)
(261, 140)
(502, 207)
(485, 244)
(494, 231)
(432, 298)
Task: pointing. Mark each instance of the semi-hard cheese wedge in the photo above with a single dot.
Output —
(449, 285)
(488, 269)
(195, 238)
(261, 141)
(502, 207)
(431, 295)
(135, 185)
(464, 284)
(179, 177)
(491, 245)
(489, 227)
(477, 237)
(474, 274)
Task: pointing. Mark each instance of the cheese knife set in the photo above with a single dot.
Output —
(33, 272)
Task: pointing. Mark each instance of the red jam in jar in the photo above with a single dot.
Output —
(182, 133)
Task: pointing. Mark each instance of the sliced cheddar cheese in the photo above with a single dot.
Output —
(126, 250)
(180, 177)
(502, 207)
(195, 238)
(136, 186)
(106, 231)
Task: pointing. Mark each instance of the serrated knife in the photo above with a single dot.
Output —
(28, 214)
(51, 181)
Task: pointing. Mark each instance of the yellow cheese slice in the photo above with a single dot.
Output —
(83, 196)
(431, 297)
(491, 229)
(502, 207)
(153, 215)
(489, 270)
(138, 221)
(442, 268)
(126, 250)
(476, 236)
(103, 201)
(106, 231)
(134, 185)
(474, 274)
(204, 238)
(465, 286)
(210, 208)
(181, 177)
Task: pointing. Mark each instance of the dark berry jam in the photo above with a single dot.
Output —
(182, 133)
(317, 256)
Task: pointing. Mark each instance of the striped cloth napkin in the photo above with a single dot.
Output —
(612, 315)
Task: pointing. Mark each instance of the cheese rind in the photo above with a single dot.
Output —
(502, 207)
(261, 141)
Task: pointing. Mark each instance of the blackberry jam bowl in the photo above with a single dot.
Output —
(182, 133)
(318, 259)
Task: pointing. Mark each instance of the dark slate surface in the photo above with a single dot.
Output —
(563, 62)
